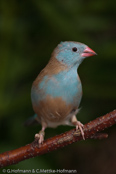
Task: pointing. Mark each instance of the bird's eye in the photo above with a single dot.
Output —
(74, 49)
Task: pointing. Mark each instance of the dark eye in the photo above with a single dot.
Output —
(74, 49)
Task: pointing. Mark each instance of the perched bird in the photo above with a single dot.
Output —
(56, 92)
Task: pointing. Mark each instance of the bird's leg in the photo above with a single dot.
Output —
(41, 134)
(78, 125)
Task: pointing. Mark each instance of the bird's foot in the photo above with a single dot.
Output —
(79, 125)
(40, 137)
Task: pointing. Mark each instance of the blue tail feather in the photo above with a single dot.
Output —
(31, 121)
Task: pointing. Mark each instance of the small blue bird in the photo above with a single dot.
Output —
(56, 92)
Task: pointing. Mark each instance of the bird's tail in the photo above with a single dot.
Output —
(31, 121)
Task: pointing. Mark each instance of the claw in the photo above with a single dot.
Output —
(40, 137)
(80, 126)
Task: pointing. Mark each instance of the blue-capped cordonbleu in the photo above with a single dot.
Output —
(56, 92)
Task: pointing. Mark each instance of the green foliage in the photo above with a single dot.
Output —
(30, 30)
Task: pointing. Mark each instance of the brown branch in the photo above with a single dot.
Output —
(91, 130)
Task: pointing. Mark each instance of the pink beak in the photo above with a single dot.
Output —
(88, 52)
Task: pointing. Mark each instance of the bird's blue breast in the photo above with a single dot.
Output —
(65, 84)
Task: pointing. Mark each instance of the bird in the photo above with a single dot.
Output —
(57, 91)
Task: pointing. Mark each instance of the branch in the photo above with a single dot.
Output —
(31, 150)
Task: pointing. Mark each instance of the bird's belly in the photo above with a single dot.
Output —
(54, 110)
(54, 101)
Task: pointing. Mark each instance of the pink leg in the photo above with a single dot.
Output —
(78, 125)
(41, 134)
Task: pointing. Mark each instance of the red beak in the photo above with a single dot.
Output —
(88, 52)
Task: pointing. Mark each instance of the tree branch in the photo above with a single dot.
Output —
(91, 130)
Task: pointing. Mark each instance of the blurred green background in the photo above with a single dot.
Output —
(30, 30)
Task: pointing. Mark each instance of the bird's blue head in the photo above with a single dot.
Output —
(72, 53)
